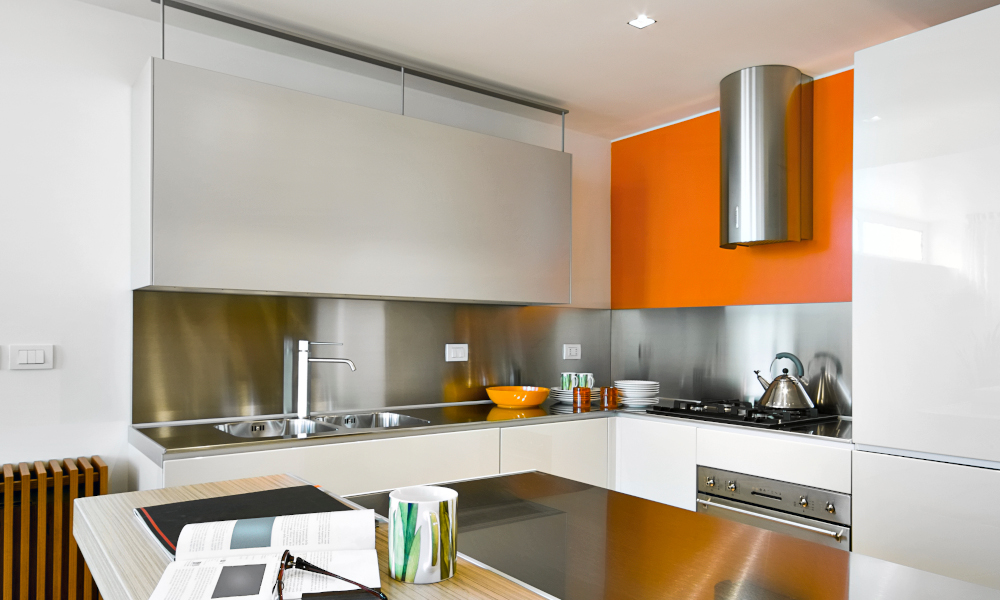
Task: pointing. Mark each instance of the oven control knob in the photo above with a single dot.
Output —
(830, 508)
(803, 501)
(710, 481)
(731, 485)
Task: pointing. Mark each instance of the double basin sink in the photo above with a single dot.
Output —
(299, 428)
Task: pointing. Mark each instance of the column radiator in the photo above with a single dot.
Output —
(40, 557)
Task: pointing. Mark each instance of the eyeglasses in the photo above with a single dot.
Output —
(291, 562)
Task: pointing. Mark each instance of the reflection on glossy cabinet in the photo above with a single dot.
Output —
(656, 461)
(355, 467)
(934, 516)
(575, 450)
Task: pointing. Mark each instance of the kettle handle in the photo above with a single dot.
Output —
(794, 359)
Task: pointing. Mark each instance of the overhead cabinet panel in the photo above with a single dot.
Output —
(258, 188)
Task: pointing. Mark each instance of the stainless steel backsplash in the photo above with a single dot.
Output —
(199, 356)
(712, 352)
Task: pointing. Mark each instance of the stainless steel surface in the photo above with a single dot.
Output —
(579, 542)
(276, 428)
(711, 352)
(302, 395)
(189, 439)
(203, 356)
(709, 502)
(808, 513)
(778, 495)
(261, 188)
(376, 420)
(766, 152)
(784, 392)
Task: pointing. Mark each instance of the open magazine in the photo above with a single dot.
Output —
(239, 559)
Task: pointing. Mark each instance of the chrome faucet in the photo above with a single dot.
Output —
(304, 360)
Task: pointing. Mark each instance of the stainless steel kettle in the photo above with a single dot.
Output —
(786, 392)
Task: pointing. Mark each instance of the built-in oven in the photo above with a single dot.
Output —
(809, 513)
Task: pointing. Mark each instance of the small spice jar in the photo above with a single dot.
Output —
(581, 397)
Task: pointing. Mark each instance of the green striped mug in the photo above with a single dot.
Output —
(423, 536)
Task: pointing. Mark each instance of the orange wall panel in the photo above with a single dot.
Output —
(665, 218)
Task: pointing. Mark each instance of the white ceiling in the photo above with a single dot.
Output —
(581, 55)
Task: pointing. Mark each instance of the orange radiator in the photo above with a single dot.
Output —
(40, 557)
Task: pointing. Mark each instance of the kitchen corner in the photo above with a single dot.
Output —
(690, 303)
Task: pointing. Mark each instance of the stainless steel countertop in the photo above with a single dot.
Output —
(579, 542)
(203, 439)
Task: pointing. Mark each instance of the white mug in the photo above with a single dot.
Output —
(569, 381)
(423, 535)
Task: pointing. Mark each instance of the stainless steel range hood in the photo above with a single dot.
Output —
(766, 124)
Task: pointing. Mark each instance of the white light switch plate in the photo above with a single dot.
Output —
(456, 352)
(30, 356)
(571, 351)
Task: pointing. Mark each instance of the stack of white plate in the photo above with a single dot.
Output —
(566, 396)
(637, 393)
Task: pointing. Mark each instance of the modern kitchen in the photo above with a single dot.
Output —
(565, 301)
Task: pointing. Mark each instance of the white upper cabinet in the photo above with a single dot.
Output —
(926, 300)
(243, 186)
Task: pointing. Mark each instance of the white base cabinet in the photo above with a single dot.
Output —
(355, 467)
(575, 450)
(814, 463)
(934, 516)
(656, 461)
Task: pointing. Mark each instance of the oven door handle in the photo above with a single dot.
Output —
(837, 535)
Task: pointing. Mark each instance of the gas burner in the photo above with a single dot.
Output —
(742, 413)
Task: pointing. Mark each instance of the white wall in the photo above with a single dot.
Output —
(67, 69)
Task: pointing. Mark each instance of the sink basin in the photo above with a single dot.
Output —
(276, 428)
(374, 420)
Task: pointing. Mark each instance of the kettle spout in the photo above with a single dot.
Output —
(765, 383)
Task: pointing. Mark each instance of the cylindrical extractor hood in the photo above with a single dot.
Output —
(766, 118)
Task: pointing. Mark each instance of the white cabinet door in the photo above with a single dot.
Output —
(825, 465)
(929, 515)
(356, 467)
(656, 461)
(573, 449)
(926, 304)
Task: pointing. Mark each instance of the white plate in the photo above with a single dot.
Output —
(635, 382)
(649, 402)
(639, 395)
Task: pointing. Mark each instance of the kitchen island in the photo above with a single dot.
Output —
(567, 540)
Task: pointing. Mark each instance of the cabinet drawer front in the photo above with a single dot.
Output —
(574, 450)
(356, 467)
(822, 466)
(914, 512)
(656, 461)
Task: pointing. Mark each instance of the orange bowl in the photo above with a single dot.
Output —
(517, 396)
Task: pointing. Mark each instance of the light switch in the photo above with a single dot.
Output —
(571, 351)
(30, 356)
(456, 352)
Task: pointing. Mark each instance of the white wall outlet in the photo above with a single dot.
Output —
(456, 352)
(571, 352)
(30, 356)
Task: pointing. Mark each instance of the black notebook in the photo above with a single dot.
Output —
(166, 520)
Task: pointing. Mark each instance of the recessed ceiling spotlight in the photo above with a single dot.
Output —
(641, 21)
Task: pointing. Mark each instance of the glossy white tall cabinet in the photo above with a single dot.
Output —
(928, 515)
(926, 299)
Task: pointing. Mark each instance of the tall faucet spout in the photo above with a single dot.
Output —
(345, 361)
(304, 359)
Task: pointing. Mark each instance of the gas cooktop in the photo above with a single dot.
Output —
(742, 413)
